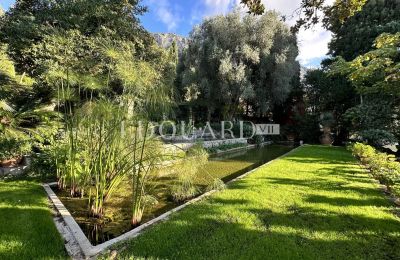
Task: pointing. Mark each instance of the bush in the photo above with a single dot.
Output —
(44, 164)
(308, 128)
(184, 188)
(224, 147)
(363, 152)
(13, 148)
(383, 167)
(188, 171)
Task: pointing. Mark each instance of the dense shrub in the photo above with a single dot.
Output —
(308, 128)
(44, 164)
(383, 167)
(363, 152)
(188, 171)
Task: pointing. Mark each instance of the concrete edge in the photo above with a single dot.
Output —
(73, 227)
(89, 250)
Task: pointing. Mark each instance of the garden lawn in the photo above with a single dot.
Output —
(315, 203)
(27, 230)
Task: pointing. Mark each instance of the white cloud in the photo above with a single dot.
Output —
(313, 43)
(213, 7)
(165, 13)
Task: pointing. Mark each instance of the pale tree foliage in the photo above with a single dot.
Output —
(236, 60)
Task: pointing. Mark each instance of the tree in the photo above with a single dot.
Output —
(233, 60)
(376, 78)
(255, 6)
(325, 93)
(377, 71)
(357, 34)
(29, 21)
(317, 11)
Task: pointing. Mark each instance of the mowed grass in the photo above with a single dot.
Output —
(27, 230)
(315, 203)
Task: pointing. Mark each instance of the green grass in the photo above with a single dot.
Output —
(27, 230)
(316, 203)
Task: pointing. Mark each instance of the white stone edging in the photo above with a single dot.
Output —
(89, 250)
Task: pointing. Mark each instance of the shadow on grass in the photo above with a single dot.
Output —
(233, 227)
(340, 201)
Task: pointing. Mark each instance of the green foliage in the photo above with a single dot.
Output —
(383, 167)
(357, 34)
(184, 188)
(325, 92)
(308, 128)
(376, 72)
(314, 12)
(258, 140)
(28, 22)
(372, 121)
(25, 119)
(377, 137)
(13, 148)
(44, 163)
(376, 78)
(320, 208)
(94, 63)
(233, 60)
(186, 172)
(362, 151)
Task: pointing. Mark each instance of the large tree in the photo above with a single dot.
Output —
(29, 21)
(376, 78)
(234, 60)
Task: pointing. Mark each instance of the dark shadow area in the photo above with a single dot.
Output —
(338, 201)
(205, 237)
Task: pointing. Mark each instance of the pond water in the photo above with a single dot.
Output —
(118, 209)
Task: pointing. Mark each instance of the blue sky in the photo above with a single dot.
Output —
(179, 16)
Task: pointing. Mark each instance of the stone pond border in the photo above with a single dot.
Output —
(79, 246)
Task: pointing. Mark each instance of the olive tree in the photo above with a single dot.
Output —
(236, 61)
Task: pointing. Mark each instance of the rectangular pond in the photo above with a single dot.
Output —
(117, 220)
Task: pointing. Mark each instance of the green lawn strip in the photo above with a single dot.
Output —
(315, 203)
(27, 230)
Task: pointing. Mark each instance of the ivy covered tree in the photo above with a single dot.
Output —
(236, 62)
